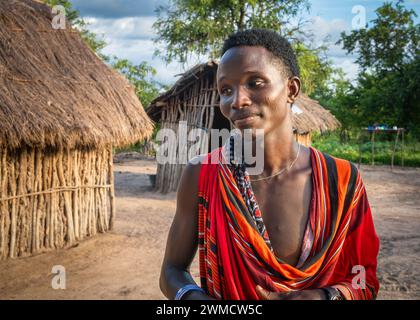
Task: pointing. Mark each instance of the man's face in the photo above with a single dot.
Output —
(253, 90)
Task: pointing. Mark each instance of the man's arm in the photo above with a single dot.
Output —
(182, 242)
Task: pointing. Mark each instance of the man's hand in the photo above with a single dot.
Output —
(315, 294)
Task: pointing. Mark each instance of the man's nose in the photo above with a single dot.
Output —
(240, 99)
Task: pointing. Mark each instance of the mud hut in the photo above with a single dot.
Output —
(194, 99)
(62, 110)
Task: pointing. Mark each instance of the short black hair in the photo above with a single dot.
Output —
(269, 39)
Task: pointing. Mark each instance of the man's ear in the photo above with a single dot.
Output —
(294, 86)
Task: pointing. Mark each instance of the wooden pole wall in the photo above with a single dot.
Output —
(195, 105)
(53, 198)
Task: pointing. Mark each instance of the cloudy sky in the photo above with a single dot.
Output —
(126, 26)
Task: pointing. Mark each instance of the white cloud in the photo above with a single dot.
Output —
(122, 28)
(328, 32)
(141, 50)
(134, 50)
(131, 38)
(117, 8)
(323, 29)
(349, 67)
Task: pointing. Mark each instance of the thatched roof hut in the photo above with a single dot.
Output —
(62, 110)
(194, 99)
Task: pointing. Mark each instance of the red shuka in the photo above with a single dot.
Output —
(234, 257)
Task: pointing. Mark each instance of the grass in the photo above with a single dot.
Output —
(384, 144)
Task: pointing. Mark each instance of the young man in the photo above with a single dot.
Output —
(302, 229)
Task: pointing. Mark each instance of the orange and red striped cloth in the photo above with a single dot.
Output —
(340, 249)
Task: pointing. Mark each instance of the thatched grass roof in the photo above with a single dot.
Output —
(55, 91)
(313, 117)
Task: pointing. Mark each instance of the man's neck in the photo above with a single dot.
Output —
(280, 149)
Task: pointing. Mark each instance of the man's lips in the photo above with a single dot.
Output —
(243, 118)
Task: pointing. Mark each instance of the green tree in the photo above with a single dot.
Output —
(338, 96)
(316, 69)
(199, 27)
(141, 77)
(387, 52)
(188, 27)
(392, 41)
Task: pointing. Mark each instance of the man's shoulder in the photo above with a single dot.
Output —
(196, 173)
(340, 164)
(343, 172)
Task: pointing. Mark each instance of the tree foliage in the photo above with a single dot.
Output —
(387, 88)
(316, 69)
(188, 27)
(199, 27)
(391, 41)
(146, 88)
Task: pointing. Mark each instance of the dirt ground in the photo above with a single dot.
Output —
(125, 263)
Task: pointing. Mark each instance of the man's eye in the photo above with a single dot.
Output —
(255, 83)
(225, 91)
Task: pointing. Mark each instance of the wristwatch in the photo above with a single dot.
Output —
(332, 293)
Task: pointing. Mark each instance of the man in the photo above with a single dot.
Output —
(302, 229)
